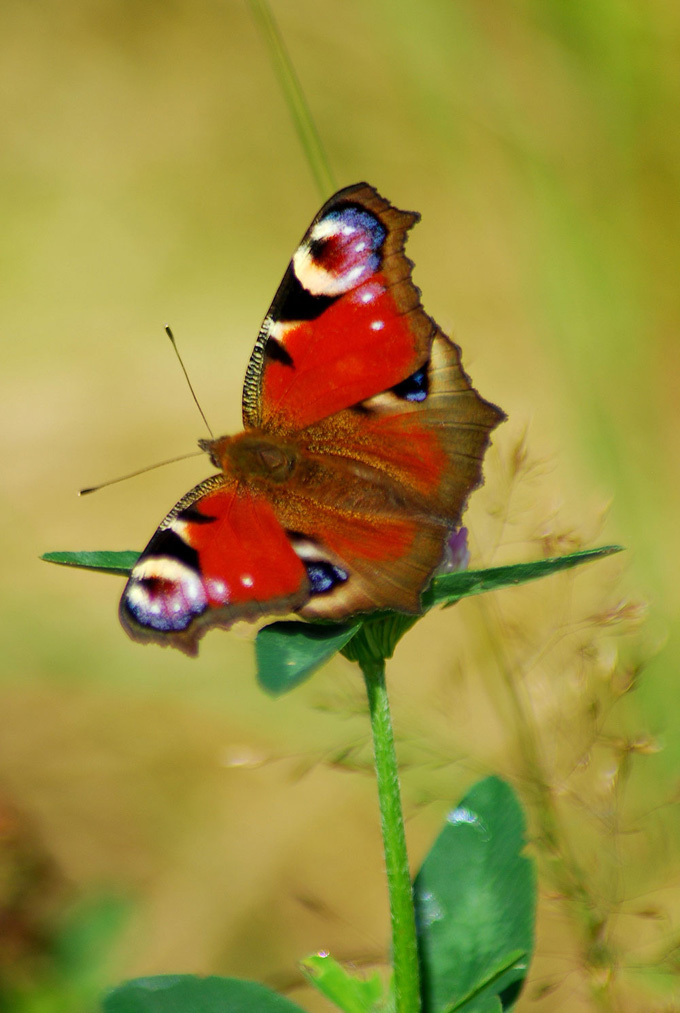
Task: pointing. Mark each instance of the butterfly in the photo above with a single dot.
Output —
(363, 438)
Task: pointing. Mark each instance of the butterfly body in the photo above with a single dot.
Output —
(363, 439)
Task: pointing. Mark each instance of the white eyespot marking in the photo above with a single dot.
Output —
(247, 580)
(164, 594)
(218, 591)
(326, 228)
(377, 325)
(164, 568)
(360, 247)
(313, 278)
(305, 549)
(368, 292)
(354, 273)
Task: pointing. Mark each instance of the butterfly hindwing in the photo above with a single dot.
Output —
(391, 480)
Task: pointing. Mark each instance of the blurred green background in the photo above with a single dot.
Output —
(149, 173)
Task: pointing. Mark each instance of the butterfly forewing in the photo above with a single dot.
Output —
(346, 322)
(218, 557)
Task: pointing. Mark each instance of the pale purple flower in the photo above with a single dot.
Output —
(456, 552)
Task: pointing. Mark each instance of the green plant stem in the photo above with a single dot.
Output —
(404, 941)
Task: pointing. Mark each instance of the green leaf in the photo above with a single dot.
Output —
(288, 652)
(105, 562)
(475, 898)
(451, 587)
(350, 994)
(511, 961)
(489, 1004)
(185, 993)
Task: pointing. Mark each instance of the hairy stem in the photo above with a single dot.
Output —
(404, 942)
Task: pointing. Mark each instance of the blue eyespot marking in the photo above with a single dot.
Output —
(415, 387)
(324, 576)
(354, 219)
(347, 242)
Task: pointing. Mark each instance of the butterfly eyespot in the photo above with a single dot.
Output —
(415, 387)
(343, 250)
(164, 594)
(351, 221)
(324, 576)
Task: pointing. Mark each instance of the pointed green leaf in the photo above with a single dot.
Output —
(105, 562)
(451, 587)
(186, 993)
(475, 899)
(288, 652)
(350, 994)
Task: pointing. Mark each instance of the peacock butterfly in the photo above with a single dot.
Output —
(363, 438)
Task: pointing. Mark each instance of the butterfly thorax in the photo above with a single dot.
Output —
(253, 455)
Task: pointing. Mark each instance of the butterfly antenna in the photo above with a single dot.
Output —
(186, 376)
(142, 471)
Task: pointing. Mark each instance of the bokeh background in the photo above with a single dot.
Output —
(161, 814)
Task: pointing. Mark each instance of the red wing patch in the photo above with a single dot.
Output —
(360, 345)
